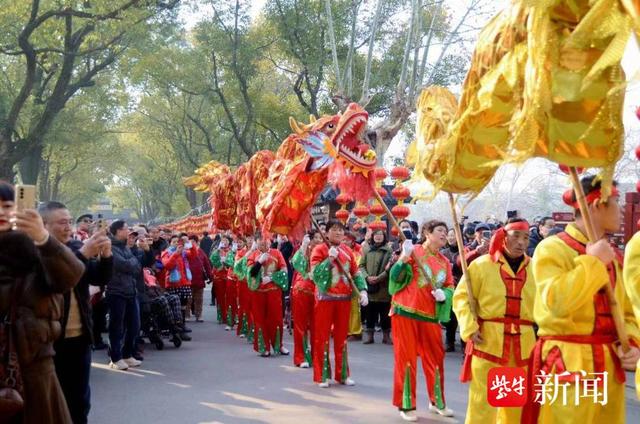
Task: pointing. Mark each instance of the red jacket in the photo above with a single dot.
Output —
(275, 263)
(171, 261)
(200, 267)
(340, 286)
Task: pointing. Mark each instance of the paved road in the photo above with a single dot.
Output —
(217, 378)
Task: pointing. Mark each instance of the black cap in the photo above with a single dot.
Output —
(482, 227)
(86, 215)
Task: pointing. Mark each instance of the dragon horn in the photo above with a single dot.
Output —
(294, 126)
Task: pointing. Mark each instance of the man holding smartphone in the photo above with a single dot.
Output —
(480, 245)
(73, 348)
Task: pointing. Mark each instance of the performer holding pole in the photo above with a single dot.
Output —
(578, 339)
(418, 306)
(502, 333)
(334, 272)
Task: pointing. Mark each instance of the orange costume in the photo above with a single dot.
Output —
(415, 323)
(267, 280)
(302, 304)
(332, 309)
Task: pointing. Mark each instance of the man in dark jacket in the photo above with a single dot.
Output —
(539, 232)
(206, 243)
(73, 348)
(452, 253)
(124, 314)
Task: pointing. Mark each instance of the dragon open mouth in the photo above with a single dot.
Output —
(348, 139)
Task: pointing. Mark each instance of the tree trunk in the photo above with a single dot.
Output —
(30, 166)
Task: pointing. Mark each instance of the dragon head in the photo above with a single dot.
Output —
(347, 140)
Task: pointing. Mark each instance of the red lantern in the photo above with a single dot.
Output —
(361, 211)
(638, 186)
(377, 225)
(400, 211)
(401, 192)
(343, 199)
(380, 173)
(638, 112)
(382, 192)
(400, 173)
(395, 232)
(638, 152)
(342, 215)
(377, 209)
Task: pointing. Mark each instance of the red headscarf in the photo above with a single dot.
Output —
(499, 237)
(591, 198)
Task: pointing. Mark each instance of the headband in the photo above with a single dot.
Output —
(592, 198)
(497, 241)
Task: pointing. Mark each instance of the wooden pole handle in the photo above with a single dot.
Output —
(593, 237)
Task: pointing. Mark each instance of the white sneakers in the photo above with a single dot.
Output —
(304, 364)
(120, 365)
(242, 336)
(132, 362)
(284, 351)
(324, 384)
(227, 328)
(408, 416)
(349, 382)
(445, 412)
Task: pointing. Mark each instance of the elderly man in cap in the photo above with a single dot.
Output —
(480, 244)
(83, 225)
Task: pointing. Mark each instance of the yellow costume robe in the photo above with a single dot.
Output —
(632, 284)
(576, 333)
(505, 312)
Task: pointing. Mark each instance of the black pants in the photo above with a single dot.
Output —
(375, 311)
(99, 312)
(73, 364)
(451, 328)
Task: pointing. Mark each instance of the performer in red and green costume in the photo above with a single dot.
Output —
(333, 304)
(417, 309)
(303, 301)
(244, 304)
(220, 272)
(231, 291)
(267, 278)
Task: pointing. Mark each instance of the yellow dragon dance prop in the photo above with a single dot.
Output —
(545, 81)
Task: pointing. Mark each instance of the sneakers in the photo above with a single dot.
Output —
(323, 385)
(304, 365)
(266, 354)
(349, 382)
(132, 362)
(408, 416)
(445, 412)
(227, 328)
(284, 351)
(120, 365)
(242, 336)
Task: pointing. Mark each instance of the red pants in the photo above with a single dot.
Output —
(413, 338)
(328, 314)
(244, 306)
(220, 287)
(231, 299)
(302, 305)
(267, 316)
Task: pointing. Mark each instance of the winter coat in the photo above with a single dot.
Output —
(374, 264)
(126, 271)
(200, 268)
(176, 262)
(97, 273)
(40, 276)
(534, 239)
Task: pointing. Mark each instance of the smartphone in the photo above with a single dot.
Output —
(408, 234)
(486, 235)
(25, 197)
(101, 224)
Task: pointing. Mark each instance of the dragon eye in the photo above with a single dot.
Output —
(330, 125)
